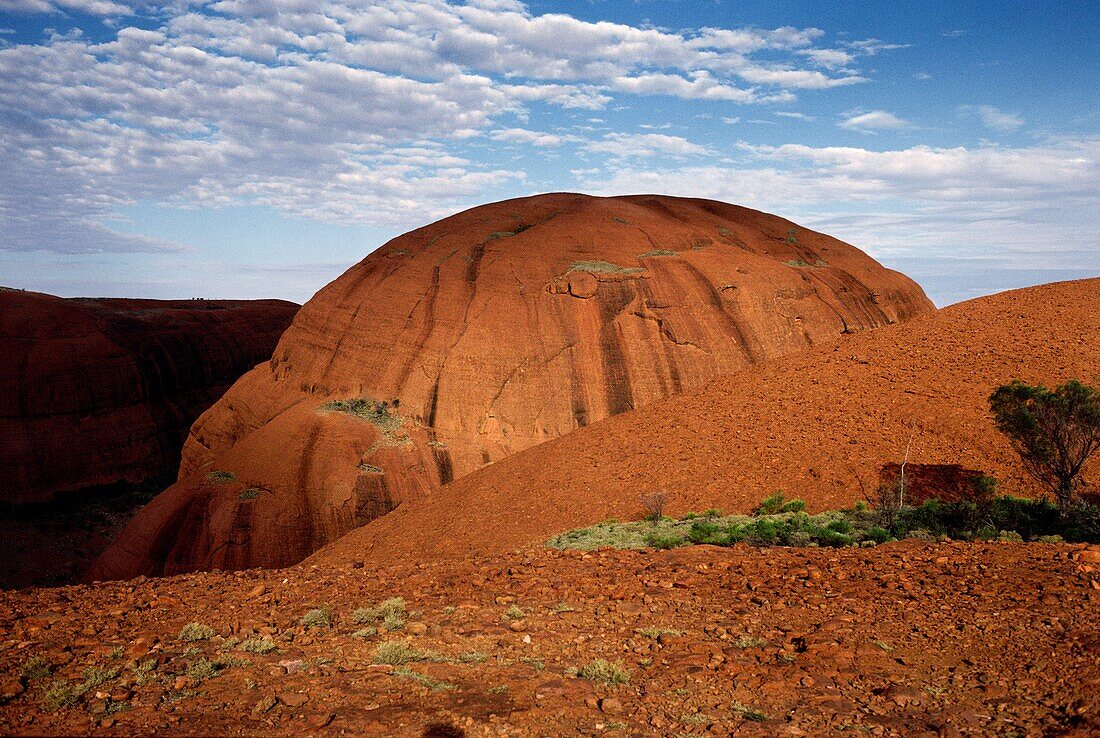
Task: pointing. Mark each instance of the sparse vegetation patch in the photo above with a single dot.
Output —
(196, 632)
(221, 477)
(1004, 518)
(657, 252)
(381, 414)
(602, 267)
(605, 672)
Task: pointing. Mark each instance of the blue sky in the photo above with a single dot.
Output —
(246, 148)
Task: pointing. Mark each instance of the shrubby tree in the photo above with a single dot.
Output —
(1054, 431)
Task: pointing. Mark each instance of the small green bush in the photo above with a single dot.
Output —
(393, 607)
(396, 653)
(196, 632)
(257, 645)
(664, 541)
(605, 672)
(318, 617)
(221, 477)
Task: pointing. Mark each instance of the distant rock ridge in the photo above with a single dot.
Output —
(494, 330)
(99, 391)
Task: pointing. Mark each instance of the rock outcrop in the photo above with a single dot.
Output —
(483, 334)
(99, 391)
(820, 425)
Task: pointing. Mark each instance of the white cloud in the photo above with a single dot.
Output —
(876, 120)
(993, 118)
(795, 116)
(319, 109)
(829, 58)
(91, 7)
(1001, 204)
(524, 136)
(645, 144)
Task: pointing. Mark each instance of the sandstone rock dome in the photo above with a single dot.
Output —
(484, 334)
(99, 391)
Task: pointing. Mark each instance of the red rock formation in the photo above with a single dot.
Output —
(818, 425)
(496, 329)
(98, 391)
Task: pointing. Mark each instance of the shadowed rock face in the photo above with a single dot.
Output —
(496, 329)
(99, 391)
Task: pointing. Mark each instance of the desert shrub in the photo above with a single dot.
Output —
(221, 477)
(33, 669)
(202, 669)
(61, 693)
(396, 653)
(394, 606)
(762, 532)
(249, 494)
(776, 503)
(877, 534)
(196, 632)
(473, 657)
(257, 645)
(770, 505)
(656, 252)
(1053, 431)
(605, 672)
(664, 541)
(514, 612)
(318, 617)
(653, 503)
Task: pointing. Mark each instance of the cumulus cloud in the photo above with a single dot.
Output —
(990, 202)
(534, 138)
(876, 120)
(348, 111)
(623, 145)
(993, 118)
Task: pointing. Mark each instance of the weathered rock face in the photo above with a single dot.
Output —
(98, 391)
(495, 330)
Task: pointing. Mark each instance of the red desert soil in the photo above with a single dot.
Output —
(497, 329)
(98, 391)
(907, 639)
(96, 397)
(818, 425)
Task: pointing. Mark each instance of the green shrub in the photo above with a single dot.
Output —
(394, 606)
(318, 617)
(196, 632)
(396, 653)
(203, 669)
(221, 477)
(770, 505)
(793, 506)
(605, 672)
(257, 645)
(762, 532)
(249, 494)
(33, 669)
(878, 535)
(664, 541)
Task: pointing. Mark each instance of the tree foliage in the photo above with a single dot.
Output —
(1054, 431)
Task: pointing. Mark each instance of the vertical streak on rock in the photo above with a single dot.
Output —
(613, 299)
